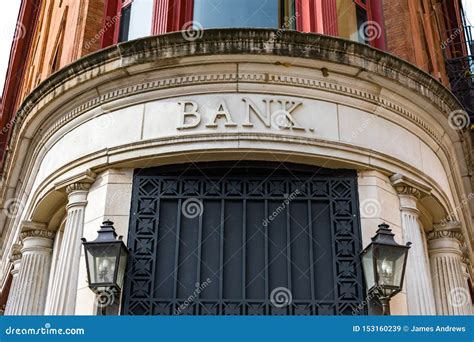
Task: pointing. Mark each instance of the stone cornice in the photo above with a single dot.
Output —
(164, 50)
(159, 49)
(405, 186)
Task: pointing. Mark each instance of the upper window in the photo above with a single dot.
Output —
(350, 19)
(135, 19)
(243, 13)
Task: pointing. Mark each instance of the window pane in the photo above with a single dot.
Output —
(124, 24)
(347, 19)
(140, 19)
(237, 13)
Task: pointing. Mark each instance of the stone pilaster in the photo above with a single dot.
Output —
(418, 281)
(451, 290)
(13, 295)
(62, 293)
(35, 268)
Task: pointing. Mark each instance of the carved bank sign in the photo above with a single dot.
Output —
(278, 113)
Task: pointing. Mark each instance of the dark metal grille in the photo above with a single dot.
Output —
(258, 229)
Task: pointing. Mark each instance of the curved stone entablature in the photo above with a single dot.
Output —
(144, 102)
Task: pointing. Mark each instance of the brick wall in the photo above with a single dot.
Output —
(414, 32)
(93, 27)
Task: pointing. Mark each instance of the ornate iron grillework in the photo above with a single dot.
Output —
(257, 228)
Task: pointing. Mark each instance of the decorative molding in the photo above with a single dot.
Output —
(452, 230)
(77, 187)
(78, 182)
(406, 186)
(36, 230)
(16, 252)
(245, 41)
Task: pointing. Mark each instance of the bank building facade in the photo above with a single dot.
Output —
(246, 151)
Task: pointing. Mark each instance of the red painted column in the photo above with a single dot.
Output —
(160, 16)
(111, 17)
(329, 14)
(179, 13)
(376, 14)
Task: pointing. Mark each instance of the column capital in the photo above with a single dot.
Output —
(81, 182)
(16, 252)
(449, 230)
(409, 187)
(32, 229)
(82, 186)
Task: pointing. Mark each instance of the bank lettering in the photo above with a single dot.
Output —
(271, 113)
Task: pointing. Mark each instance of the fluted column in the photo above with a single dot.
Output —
(35, 267)
(451, 290)
(62, 293)
(13, 295)
(419, 288)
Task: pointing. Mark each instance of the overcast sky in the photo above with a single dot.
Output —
(9, 15)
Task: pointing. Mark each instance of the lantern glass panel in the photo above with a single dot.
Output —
(102, 260)
(122, 265)
(368, 267)
(390, 262)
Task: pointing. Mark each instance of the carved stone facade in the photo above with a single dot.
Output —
(301, 99)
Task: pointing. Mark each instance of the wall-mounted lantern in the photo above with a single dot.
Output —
(106, 259)
(384, 262)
